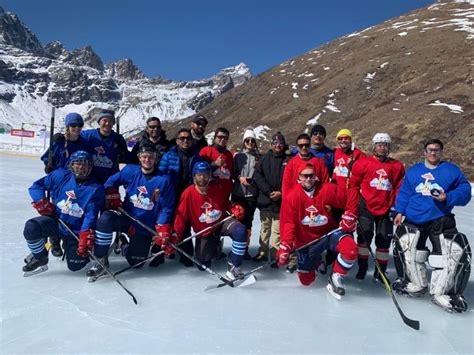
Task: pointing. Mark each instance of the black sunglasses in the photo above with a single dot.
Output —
(307, 176)
(250, 140)
(184, 138)
(76, 125)
(154, 127)
(306, 145)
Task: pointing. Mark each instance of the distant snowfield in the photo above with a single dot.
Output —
(58, 312)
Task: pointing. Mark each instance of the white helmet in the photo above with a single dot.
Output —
(381, 138)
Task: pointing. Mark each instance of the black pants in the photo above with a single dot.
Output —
(432, 230)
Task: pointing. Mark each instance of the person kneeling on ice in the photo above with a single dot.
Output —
(307, 216)
(150, 198)
(77, 199)
(204, 204)
(429, 193)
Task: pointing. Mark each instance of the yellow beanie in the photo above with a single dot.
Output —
(344, 132)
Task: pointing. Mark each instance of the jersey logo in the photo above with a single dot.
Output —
(209, 215)
(222, 173)
(314, 219)
(341, 169)
(69, 207)
(381, 182)
(425, 187)
(100, 160)
(141, 201)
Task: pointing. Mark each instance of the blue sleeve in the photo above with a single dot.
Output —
(119, 179)
(167, 202)
(38, 190)
(93, 208)
(460, 195)
(403, 196)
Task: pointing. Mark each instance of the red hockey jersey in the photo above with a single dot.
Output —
(210, 154)
(378, 182)
(343, 164)
(200, 210)
(308, 218)
(290, 175)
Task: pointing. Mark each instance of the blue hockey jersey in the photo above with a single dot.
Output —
(76, 204)
(106, 152)
(414, 198)
(151, 199)
(62, 151)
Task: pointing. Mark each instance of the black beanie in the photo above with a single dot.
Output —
(318, 128)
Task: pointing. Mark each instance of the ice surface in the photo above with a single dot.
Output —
(59, 312)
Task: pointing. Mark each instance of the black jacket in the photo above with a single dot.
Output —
(162, 146)
(268, 176)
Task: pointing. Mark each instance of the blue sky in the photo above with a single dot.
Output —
(194, 39)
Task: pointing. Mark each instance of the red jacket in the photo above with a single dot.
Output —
(378, 182)
(210, 154)
(201, 211)
(308, 218)
(290, 175)
(343, 164)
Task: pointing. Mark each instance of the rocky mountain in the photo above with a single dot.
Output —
(411, 76)
(34, 77)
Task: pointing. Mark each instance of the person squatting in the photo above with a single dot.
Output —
(313, 200)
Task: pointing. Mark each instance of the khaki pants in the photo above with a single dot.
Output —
(269, 232)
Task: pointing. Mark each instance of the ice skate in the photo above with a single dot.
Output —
(233, 272)
(35, 266)
(56, 247)
(96, 271)
(335, 286)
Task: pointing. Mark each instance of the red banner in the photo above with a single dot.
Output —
(22, 133)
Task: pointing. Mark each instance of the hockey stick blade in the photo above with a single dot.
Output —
(410, 322)
(243, 277)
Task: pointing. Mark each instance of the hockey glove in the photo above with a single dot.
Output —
(112, 199)
(44, 207)
(164, 238)
(283, 254)
(86, 242)
(238, 211)
(348, 222)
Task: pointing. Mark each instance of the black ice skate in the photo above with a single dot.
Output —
(335, 286)
(35, 266)
(96, 271)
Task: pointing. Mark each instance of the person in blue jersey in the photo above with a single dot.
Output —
(179, 163)
(150, 198)
(64, 146)
(78, 198)
(107, 146)
(424, 205)
(318, 148)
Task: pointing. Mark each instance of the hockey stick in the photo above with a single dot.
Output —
(410, 322)
(152, 256)
(96, 259)
(241, 278)
(194, 260)
(315, 241)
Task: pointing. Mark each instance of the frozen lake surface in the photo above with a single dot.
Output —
(59, 312)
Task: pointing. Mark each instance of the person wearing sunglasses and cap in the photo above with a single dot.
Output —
(107, 146)
(306, 216)
(154, 135)
(179, 162)
(245, 191)
(65, 145)
(429, 193)
(198, 127)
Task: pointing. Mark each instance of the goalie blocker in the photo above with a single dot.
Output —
(450, 260)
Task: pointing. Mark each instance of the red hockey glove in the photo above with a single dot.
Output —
(238, 211)
(44, 207)
(164, 238)
(283, 254)
(348, 222)
(112, 199)
(86, 242)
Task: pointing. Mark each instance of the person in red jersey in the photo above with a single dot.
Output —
(290, 176)
(220, 158)
(203, 204)
(379, 178)
(344, 158)
(307, 217)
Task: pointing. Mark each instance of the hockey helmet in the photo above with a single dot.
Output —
(202, 167)
(381, 138)
(81, 156)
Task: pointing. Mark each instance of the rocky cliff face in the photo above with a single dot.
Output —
(411, 76)
(33, 77)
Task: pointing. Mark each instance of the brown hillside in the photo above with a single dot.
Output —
(382, 79)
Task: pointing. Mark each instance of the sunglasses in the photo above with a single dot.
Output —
(306, 145)
(344, 139)
(222, 137)
(318, 134)
(249, 140)
(184, 138)
(307, 176)
(76, 125)
(433, 151)
(154, 127)
(277, 143)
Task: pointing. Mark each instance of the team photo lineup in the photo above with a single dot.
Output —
(322, 210)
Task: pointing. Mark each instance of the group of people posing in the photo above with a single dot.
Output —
(311, 200)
